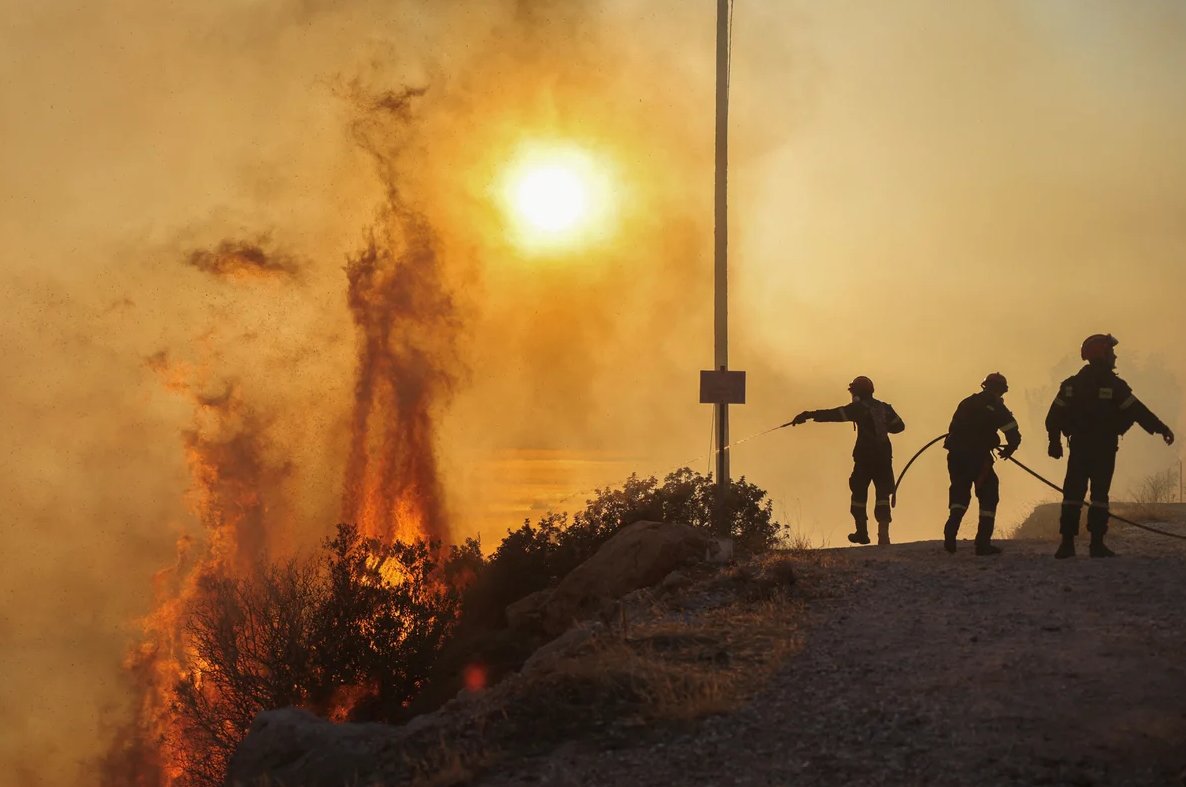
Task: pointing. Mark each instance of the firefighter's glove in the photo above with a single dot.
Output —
(1168, 436)
(1055, 450)
(1006, 451)
(801, 418)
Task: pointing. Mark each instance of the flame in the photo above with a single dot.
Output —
(407, 324)
(223, 451)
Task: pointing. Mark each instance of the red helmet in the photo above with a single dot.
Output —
(1098, 347)
(861, 386)
(996, 381)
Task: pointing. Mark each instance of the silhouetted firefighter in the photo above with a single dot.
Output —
(971, 439)
(873, 456)
(1093, 409)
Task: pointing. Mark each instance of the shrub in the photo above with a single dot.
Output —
(536, 556)
(354, 634)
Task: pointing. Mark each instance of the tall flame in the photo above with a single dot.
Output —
(407, 326)
(224, 452)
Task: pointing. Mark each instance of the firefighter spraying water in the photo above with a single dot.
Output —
(873, 456)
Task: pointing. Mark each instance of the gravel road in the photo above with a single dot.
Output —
(931, 669)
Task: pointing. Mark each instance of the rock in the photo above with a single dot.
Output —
(639, 555)
(720, 550)
(564, 646)
(292, 746)
(675, 581)
(527, 614)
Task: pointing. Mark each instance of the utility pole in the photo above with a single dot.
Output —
(721, 242)
(719, 386)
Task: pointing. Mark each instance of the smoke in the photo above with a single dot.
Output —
(237, 259)
(921, 196)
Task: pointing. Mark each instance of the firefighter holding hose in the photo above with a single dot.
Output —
(873, 459)
(1093, 409)
(971, 439)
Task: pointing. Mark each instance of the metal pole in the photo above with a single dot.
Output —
(721, 245)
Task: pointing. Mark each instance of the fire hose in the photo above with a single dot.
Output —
(1035, 474)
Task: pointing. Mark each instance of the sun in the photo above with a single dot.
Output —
(556, 197)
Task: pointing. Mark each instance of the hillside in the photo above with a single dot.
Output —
(896, 665)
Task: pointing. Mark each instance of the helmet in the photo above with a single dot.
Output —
(1098, 347)
(996, 381)
(861, 386)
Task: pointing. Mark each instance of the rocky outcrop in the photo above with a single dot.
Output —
(291, 746)
(639, 555)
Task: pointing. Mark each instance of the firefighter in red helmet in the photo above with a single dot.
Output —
(873, 459)
(1093, 409)
(971, 439)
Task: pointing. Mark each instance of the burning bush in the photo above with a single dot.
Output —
(352, 634)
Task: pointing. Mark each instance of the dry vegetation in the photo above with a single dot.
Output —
(669, 656)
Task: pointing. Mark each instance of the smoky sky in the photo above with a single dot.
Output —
(919, 193)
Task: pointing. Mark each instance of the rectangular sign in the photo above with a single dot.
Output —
(722, 387)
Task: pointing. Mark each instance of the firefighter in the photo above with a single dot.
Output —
(873, 460)
(1093, 409)
(971, 439)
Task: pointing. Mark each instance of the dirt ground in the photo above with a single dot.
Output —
(928, 669)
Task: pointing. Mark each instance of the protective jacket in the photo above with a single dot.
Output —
(875, 422)
(977, 421)
(1094, 407)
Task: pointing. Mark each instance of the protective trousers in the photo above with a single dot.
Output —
(968, 470)
(1088, 465)
(881, 474)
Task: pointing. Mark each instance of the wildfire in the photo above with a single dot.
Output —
(225, 462)
(406, 323)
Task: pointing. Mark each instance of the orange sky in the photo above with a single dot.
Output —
(922, 195)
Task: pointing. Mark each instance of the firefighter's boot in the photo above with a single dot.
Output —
(984, 533)
(950, 531)
(883, 538)
(1066, 548)
(1097, 548)
(861, 536)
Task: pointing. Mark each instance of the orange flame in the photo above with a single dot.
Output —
(227, 472)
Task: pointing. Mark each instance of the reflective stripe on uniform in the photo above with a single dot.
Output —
(990, 512)
(843, 412)
(1075, 503)
(1105, 393)
(957, 507)
(882, 501)
(1127, 403)
(860, 505)
(1059, 402)
(1008, 426)
(1099, 504)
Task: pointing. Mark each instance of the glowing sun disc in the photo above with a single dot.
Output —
(557, 196)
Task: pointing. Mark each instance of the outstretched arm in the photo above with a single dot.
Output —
(1136, 410)
(823, 416)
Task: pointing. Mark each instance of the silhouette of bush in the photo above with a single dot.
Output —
(353, 634)
(537, 556)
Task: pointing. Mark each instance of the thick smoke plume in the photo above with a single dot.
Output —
(408, 327)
